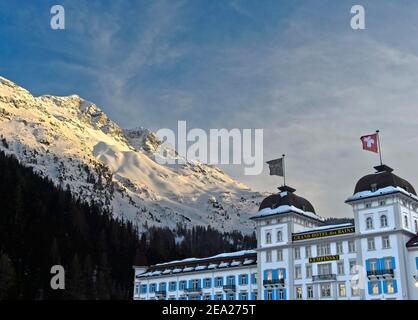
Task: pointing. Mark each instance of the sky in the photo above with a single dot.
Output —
(293, 68)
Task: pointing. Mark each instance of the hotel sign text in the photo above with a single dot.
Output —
(324, 258)
(321, 234)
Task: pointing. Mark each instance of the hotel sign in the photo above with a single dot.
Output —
(324, 259)
(321, 234)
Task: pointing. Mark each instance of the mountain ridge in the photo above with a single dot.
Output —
(74, 143)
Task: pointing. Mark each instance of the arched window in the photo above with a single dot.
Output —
(369, 223)
(268, 237)
(383, 221)
(279, 236)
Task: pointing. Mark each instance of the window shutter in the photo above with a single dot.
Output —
(368, 265)
(284, 294)
(246, 279)
(385, 286)
(379, 287)
(370, 288)
(416, 261)
(284, 273)
(393, 263)
(199, 283)
(395, 286)
(190, 284)
(275, 274)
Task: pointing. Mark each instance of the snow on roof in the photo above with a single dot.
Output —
(235, 263)
(221, 255)
(379, 192)
(167, 271)
(177, 270)
(329, 226)
(212, 266)
(284, 209)
(155, 273)
(200, 268)
(188, 269)
(248, 261)
(223, 264)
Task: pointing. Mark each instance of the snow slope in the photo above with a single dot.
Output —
(75, 144)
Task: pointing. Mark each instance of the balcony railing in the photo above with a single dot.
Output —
(193, 290)
(161, 293)
(380, 273)
(273, 282)
(229, 287)
(324, 277)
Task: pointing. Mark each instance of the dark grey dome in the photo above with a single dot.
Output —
(287, 197)
(381, 179)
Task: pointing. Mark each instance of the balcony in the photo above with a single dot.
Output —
(385, 273)
(324, 277)
(273, 283)
(229, 287)
(193, 291)
(161, 293)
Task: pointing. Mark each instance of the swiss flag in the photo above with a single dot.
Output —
(370, 142)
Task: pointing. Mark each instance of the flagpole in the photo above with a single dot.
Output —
(284, 170)
(380, 149)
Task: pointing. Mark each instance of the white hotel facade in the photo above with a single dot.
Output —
(299, 257)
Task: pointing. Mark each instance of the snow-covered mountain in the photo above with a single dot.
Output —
(75, 144)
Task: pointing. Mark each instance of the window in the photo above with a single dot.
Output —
(352, 265)
(382, 203)
(298, 272)
(340, 267)
(325, 269)
(355, 290)
(373, 264)
(279, 255)
(206, 297)
(375, 288)
(269, 275)
(218, 281)
(310, 292)
(297, 253)
(324, 249)
(325, 290)
(416, 225)
(342, 292)
(281, 294)
(152, 287)
(243, 279)
(373, 186)
(268, 256)
(254, 278)
(370, 244)
(207, 283)
(195, 284)
(255, 295)
(144, 288)
(368, 205)
(230, 296)
(230, 280)
(339, 247)
(268, 238)
(218, 296)
(351, 246)
(244, 296)
(279, 236)
(385, 242)
(269, 295)
(182, 285)
(387, 263)
(389, 287)
(383, 221)
(369, 223)
(406, 222)
(308, 252)
(298, 293)
(136, 289)
(162, 286)
(172, 286)
(308, 271)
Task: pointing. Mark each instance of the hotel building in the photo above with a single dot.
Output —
(299, 256)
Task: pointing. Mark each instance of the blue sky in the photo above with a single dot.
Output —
(294, 68)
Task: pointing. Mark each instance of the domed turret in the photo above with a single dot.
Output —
(383, 178)
(286, 197)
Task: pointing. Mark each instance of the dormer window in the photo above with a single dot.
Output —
(374, 187)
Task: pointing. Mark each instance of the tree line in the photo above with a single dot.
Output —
(42, 225)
